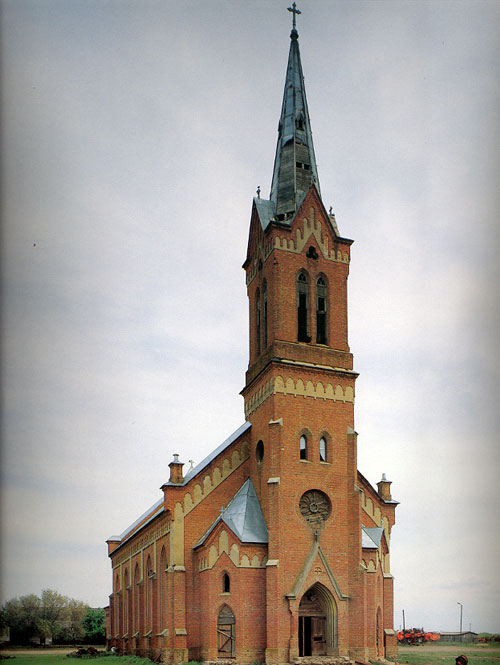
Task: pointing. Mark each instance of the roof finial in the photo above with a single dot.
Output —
(294, 11)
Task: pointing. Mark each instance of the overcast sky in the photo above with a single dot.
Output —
(135, 133)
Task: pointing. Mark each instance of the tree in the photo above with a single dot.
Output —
(22, 616)
(94, 623)
(52, 614)
(76, 611)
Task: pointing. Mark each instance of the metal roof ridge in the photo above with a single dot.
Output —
(210, 457)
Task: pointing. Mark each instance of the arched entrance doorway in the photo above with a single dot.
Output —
(317, 622)
(226, 633)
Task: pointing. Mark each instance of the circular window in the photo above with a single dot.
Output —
(259, 452)
(315, 506)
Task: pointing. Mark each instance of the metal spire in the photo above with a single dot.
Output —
(295, 164)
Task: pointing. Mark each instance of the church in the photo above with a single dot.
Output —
(275, 547)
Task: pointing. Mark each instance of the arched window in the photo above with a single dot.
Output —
(163, 590)
(149, 595)
(303, 447)
(259, 451)
(117, 603)
(264, 312)
(321, 311)
(302, 308)
(137, 599)
(322, 449)
(126, 603)
(257, 317)
(226, 583)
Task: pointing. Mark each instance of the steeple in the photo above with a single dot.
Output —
(295, 164)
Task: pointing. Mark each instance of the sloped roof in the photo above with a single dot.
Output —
(243, 516)
(209, 458)
(158, 506)
(371, 537)
(294, 133)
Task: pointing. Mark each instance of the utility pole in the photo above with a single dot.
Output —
(461, 610)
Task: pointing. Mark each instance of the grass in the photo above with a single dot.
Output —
(41, 658)
(485, 655)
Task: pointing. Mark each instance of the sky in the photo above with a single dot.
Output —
(134, 136)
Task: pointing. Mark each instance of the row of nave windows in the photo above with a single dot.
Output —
(140, 607)
(303, 308)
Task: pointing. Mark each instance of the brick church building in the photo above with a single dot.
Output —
(296, 562)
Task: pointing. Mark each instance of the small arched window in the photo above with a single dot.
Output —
(303, 447)
(226, 583)
(322, 449)
(257, 317)
(321, 337)
(259, 451)
(302, 307)
(264, 313)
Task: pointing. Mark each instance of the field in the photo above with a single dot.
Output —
(445, 654)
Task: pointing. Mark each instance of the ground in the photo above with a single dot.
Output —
(445, 654)
(425, 654)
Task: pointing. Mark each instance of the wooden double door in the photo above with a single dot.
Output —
(312, 635)
(226, 633)
(312, 624)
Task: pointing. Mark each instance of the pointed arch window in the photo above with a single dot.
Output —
(226, 583)
(163, 590)
(137, 599)
(126, 603)
(322, 449)
(117, 606)
(150, 575)
(264, 313)
(257, 319)
(321, 337)
(302, 307)
(303, 447)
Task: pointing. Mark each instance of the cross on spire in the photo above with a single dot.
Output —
(294, 11)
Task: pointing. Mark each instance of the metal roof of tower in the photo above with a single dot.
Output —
(243, 516)
(294, 164)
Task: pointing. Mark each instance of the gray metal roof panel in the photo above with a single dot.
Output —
(371, 537)
(153, 511)
(366, 542)
(266, 211)
(243, 516)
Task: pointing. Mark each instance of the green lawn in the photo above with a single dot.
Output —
(40, 658)
(476, 655)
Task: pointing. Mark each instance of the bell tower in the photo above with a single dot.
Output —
(299, 397)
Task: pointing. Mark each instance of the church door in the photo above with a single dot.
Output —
(312, 625)
(226, 634)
